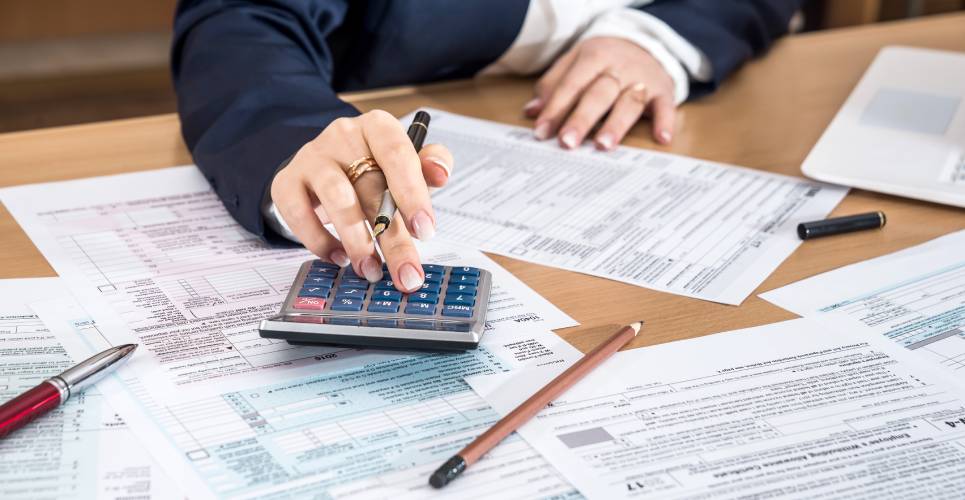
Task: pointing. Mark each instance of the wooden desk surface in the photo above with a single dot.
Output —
(768, 116)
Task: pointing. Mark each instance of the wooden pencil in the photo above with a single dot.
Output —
(529, 408)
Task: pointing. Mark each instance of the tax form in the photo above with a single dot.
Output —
(915, 298)
(82, 449)
(791, 409)
(667, 222)
(155, 259)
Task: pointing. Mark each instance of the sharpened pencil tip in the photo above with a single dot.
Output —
(636, 327)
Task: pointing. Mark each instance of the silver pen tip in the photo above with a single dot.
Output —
(126, 348)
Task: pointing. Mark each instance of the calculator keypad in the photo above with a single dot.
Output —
(447, 292)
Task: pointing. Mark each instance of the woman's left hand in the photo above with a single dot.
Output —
(608, 80)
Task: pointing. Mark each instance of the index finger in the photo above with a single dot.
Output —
(400, 163)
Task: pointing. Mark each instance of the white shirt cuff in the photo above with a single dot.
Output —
(679, 58)
(275, 221)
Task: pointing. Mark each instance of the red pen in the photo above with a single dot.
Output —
(56, 390)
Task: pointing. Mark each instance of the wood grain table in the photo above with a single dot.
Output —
(767, 116)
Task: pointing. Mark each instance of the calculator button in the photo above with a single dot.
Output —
(393, 295)
(385, 285)
(345, 321)
(463, 279)
(459, 299)
(434, 268)
(346, 304)
(431, 287)
(318, 264)
(318, 281)
(420, 308)
(314, 291)
(350, 293)
(323, 273)
(309, 303)
(463, 289)
(457, 310)
(350, 273)
(384, 306)
(354, 283)
(465, 271)
(433, 278)
(423, 297)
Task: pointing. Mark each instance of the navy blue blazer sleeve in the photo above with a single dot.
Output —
(254, 83)
(728, 32)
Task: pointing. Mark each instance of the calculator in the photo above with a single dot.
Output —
(332, 305)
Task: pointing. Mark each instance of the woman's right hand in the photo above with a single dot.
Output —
(313, 190)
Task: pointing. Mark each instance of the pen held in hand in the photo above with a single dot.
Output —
(417, 134)
(486, 441)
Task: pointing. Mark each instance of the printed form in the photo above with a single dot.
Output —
(155, 259)
(790, 409)
(666, 222)
(82, 449)
(915, 298)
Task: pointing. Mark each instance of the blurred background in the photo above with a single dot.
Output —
(65, 62)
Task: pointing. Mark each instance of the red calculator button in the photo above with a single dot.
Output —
(310, 303)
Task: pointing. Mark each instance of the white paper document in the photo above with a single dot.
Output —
(155, 259)
(793, 409)
(915, 298)
(666, 222)
(82, 449)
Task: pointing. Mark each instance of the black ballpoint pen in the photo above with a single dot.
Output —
(417, 134)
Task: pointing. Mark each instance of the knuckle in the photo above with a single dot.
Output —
(343, 126)
(378, 116)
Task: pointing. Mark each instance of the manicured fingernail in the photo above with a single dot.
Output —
(532, 104)
(605, 141)
(339, 257)
(569, 139)
(665, 136)
(410, 278)
(440, 163)
(542, 131)
(423, 226)
(371, 269)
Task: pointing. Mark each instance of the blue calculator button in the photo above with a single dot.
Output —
(352, 282)
(424, 297)
(349, 272)
(346, 304)
(393, 295)
(434, 268)
(384, 306)
(314, 291)
(459, 299)
(463, 279)
(382, 322)
(323, 273)
(385, 285)
(317, 264)
(350, 293)
(457, 310)
(318, 281)
(431, 287)
(345, 321)
(420, 308)
(433, 277)
(463, 289)
(466, 271)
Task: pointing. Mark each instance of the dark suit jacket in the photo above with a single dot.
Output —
(255, 80)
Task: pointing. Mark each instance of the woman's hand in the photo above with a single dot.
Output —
(596, 77)
(313, 189)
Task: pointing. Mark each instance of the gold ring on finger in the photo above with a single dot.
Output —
(359, 167)
(637, 92)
